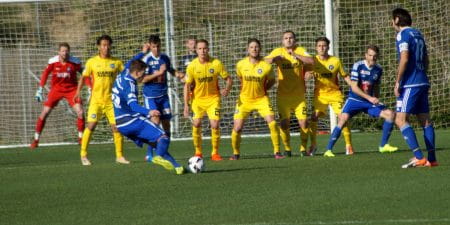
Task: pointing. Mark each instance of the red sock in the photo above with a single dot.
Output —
(80, 124)
(39, 125)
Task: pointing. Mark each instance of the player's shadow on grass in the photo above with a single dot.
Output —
(244, 169)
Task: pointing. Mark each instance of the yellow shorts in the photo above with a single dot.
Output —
(321, 103)
(244, 108)
(286, 105)
(96, 112)
(211, 106)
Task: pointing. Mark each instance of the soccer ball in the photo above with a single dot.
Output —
(196, 164)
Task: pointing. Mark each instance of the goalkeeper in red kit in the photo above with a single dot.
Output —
(63, 69)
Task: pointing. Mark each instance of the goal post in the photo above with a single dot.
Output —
(31, 30)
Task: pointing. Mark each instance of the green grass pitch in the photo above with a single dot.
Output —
(49, 186)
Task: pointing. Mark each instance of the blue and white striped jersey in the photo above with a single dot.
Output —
(125, 100)
(366, 77)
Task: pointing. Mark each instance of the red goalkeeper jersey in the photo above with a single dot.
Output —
(64, 75)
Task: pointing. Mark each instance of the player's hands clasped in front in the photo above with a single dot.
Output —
(374, 100)
(309, 75)
(224, 92)
(154, 113)
(38, 96)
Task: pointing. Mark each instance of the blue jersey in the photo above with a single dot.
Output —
(125, 100)
(411, 40)
(366, 77)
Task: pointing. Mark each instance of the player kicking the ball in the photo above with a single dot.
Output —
(256, 77)
(363, 97)
(132, 120)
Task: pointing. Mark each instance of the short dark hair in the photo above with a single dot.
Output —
(63, 44)
(404, 18)
(104, 37)
(154, 38)
(137, 65)
(250, 40)
(202, 41)
(292, 32)
(373, 48)
(325, 39)
(191, 38)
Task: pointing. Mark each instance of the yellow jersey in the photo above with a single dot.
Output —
(291, 80)
(326, 80)
(205, 77)
(253, 78)
(103, 72)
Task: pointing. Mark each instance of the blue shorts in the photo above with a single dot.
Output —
(141, 131)
(413, 100)
(162, 104)
(354, 107)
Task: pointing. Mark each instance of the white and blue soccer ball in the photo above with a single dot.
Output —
(196, 164)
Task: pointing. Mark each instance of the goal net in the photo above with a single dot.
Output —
(31, 30)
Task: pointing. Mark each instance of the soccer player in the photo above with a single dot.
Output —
(256, 77)
(411, 88)
(155, 82)
(363, 97)
(290, 60)
(132, 119)
(326, 90)
(203, 73)
(102, 69)
(64, 69)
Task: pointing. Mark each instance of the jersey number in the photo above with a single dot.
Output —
(115, 98)
(420, 44)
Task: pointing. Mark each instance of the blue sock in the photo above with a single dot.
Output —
(162, 149)
(162, 146)
(169, 157)
(150, 153)
(411, 140)
(387, 129)
(334, 137)
(428, 135)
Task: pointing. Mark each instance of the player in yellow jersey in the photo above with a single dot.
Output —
(290, 60)
(256, 77)
(102, 69)
(203, 73)
(326, 90)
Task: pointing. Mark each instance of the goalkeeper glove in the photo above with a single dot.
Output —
(38, 95)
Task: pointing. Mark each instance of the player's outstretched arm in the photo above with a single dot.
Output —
(79, 87)
(155, 75)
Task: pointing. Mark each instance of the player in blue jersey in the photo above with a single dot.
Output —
(155, 81)
(363, 97)
(132, 119)
(411, 87)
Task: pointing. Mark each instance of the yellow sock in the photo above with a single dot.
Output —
(286, 138)
(347, 135)
(274, 135)
(85, 142)
(197, 139)
(215, 138)
(313, 132)
(236, 142)
(118, 143)
(303, 138)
